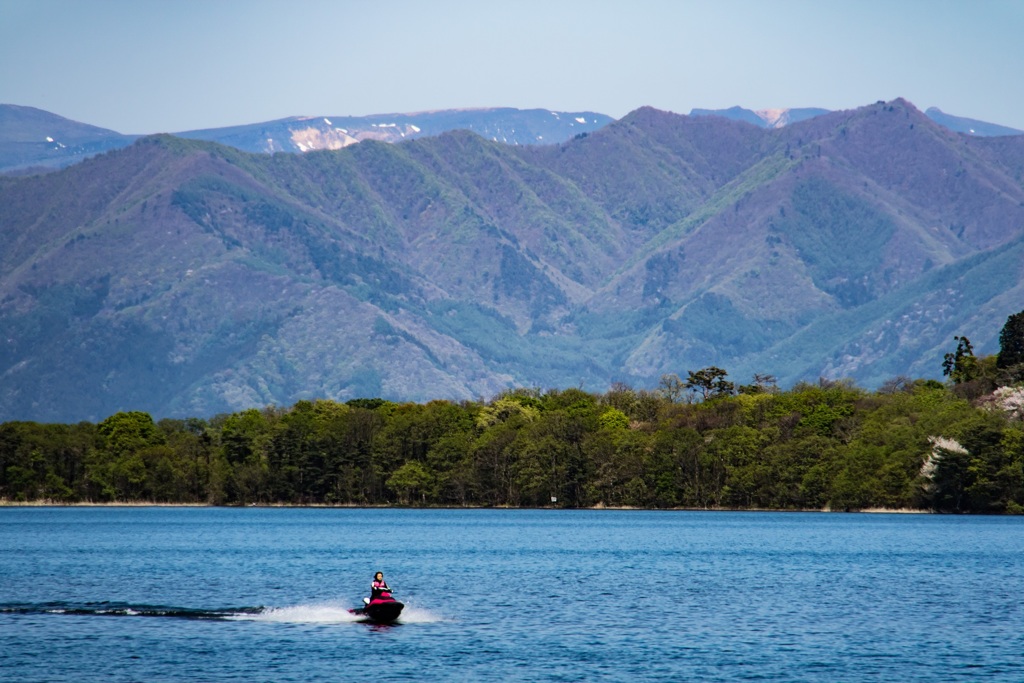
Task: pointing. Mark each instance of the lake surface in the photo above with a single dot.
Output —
(214, 594)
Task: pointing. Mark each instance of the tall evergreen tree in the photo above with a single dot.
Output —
(1011, 342)
(961, 366)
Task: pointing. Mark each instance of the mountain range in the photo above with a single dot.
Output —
(185, 277)
(32, 140)
(777, 118)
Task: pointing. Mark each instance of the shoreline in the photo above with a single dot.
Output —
(600, 506)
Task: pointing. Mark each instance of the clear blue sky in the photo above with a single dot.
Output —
(145, 66)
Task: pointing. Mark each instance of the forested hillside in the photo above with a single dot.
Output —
(702, 442)
(183, 278)
(916, 445)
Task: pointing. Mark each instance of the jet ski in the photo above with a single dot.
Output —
(382, 609)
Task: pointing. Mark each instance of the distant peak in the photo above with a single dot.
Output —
(969, 126)
(772, 116)
(764, 118)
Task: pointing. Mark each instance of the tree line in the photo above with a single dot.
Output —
(701, 442)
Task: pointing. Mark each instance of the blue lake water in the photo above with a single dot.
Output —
(214, 594)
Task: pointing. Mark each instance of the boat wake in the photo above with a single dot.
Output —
(124, 609)
(323, 613)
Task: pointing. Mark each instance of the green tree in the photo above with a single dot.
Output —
(243, 470)
(341, 458)
(410, 480)
(410, 432)
(504, 409)
(621, 469)
(493, 461)
(1011, 344)
(295, 458)
(116, 470)
(454, 474)
(613, 418)
(762, 383)
(960, 366)
(191, 442)
(748, 475)
(670, 387)
(44, 462)
(710, 382)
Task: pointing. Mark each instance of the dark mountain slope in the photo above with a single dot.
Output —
(546, 216)
(173, 275)
(1004, 153)
(653, 168)
(436, 207)
(941, 173)
(908, 331)
(829, 228)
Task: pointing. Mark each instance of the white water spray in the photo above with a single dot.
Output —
(325, 613)
(330, 613)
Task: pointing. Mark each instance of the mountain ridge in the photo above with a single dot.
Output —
(33, 140)
(778, 118)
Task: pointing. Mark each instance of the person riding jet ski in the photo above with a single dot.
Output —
(381, 607)
(378, 586)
